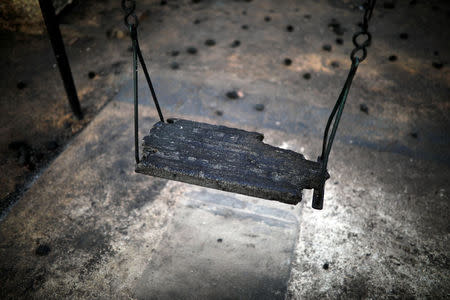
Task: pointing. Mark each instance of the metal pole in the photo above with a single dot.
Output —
(136, 111)
(51, 22)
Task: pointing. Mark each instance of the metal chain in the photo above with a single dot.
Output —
(338, 108)
(356, 60)
(132, 22)
(130, 19)
(368, 9)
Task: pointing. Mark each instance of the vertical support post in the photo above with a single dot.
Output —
(51, 22)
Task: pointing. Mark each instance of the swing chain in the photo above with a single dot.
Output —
(336, 113)
(130, 19)
(132, 22)
(364, 33)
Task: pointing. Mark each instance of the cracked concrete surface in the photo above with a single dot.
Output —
(89, 227)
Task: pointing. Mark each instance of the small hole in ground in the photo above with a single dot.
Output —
(392, 58)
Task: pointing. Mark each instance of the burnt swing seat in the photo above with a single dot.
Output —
(227, 159)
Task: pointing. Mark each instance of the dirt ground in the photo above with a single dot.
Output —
(36, 120)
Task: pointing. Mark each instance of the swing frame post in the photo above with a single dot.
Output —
(51, 22)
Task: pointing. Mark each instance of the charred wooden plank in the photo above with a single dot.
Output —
(227, 159)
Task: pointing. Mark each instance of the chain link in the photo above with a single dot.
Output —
(130, 19)
(361, 46)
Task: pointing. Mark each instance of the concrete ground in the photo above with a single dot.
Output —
(88, 226)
